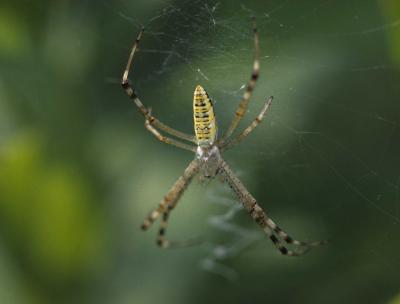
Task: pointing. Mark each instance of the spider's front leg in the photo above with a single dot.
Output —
(163, 242)
(174, 194)
(262, 219)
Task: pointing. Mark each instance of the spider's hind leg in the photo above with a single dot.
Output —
(130, 91)
(237, 139)
(242, 108)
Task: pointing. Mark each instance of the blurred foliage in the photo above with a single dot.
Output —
(78, 171)
(395, 300)
(13, 34)
(46, 208)
(391, 9)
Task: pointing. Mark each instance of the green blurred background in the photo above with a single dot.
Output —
(78, 172)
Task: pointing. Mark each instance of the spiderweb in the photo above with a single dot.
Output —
(324, 163)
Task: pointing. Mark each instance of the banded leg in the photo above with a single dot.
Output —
(145, 112)
(288, 239)
(249, 129)
(173, 194)
(261, 218)
(163, 242)
(168, 140)
(241, 110)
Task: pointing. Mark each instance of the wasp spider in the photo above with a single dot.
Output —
(208, 161)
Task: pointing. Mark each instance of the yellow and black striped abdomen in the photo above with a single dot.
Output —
(204, 119)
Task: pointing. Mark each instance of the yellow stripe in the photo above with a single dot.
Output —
(204, 119)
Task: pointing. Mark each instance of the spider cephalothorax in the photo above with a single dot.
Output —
(208, 161)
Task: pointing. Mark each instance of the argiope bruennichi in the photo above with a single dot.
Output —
(208, 161)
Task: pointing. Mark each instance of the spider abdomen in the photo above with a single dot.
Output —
(205, 125)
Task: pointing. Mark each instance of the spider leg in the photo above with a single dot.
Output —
(163, 242)
(233, 142)
(168, 140)
(145, 112)
(288, 239)
(173, 195)
(261, 218)
(241, 110)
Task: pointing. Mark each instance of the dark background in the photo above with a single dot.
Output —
(78, 171)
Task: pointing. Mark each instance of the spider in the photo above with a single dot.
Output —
(208, 162)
